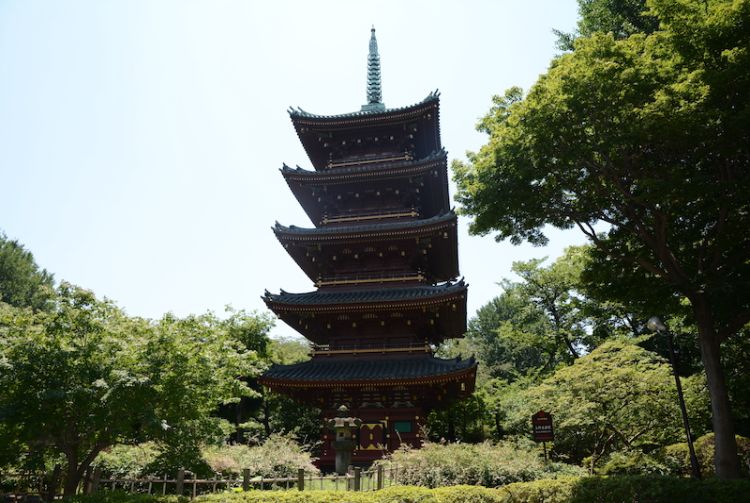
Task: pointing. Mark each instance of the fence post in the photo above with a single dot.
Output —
(357, 477)
(180, 482)
(301, 479)
(380, 477)
(246, 479)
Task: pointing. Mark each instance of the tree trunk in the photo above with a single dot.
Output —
(266, 413)
(726, 461)
(72, 478)
(75, 470)
(451, 427)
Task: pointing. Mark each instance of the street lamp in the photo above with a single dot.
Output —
(656, 325)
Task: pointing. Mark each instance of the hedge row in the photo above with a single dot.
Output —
(623, 489)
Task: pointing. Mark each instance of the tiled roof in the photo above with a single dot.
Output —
(299, 113)
(368, 369)
(360, 296)
(381, 228)
(362, 170)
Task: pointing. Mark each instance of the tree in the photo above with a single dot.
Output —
(251, 331)
(281, 414)
(511, 336)
(553, 290)
(22, 283)
(647, 134)
(83, 377)
(618, 397)
(621, 18)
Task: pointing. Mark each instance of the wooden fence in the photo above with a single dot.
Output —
(186, 484)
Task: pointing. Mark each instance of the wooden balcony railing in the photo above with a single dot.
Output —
(325, 349)
(369, 278)
(365, 217)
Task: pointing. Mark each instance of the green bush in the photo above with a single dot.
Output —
(278, 456)
(398, 494)
(677, 456)
(623, 489)
(486, 464)
(659, 489)
(127, 460)
(123, 497)
(633, 463)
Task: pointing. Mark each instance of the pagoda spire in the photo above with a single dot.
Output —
(374, 89)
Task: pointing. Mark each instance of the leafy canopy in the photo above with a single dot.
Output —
(83, 376)
(22, 283)
(647, 134)
(618, 397)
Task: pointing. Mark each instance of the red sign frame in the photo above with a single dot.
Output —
(541, 427)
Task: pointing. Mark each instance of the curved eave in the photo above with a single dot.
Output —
(300, 116)
(308, 125)
(304, 184)
(401, 169)
(359, 300)
(466, 374)
(312, 319)
(392, 230)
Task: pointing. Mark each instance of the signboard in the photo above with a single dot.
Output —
(541, 427)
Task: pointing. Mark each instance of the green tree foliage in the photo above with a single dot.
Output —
(267, 413)
(286, 415)
(22, 283)
(83, 376)
(553, 291)
(619, 397)
(649, 135)
(545, 320)
(511, 336)
(536, 325)
(621, 18)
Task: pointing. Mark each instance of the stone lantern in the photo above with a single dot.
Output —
(343, 429)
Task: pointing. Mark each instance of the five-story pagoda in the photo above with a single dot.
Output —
(384, 258)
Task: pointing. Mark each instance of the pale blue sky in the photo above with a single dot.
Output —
(140, 141)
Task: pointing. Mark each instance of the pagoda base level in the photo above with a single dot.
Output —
(383, 430)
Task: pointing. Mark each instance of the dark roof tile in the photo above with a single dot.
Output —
(357, 296)
(365, 369)
(366, 228)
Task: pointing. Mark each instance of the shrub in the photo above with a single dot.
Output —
(278, 456)
(123, 497)
(623, 489)
(486, 464)
(627, 489)
(398, 494)
(677, 456)
(127, 460)
(633, 463)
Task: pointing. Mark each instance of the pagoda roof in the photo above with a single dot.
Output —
(312, 128)
(360, 370)
(307, 186)
(297, 114)
(388, 297)
(367, 231)
(396, 169)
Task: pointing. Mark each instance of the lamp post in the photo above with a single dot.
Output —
(656, 325)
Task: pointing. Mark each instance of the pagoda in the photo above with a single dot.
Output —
(383, 255)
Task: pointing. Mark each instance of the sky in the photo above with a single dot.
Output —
(141, 141)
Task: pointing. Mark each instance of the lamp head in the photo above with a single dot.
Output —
(656, 325)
